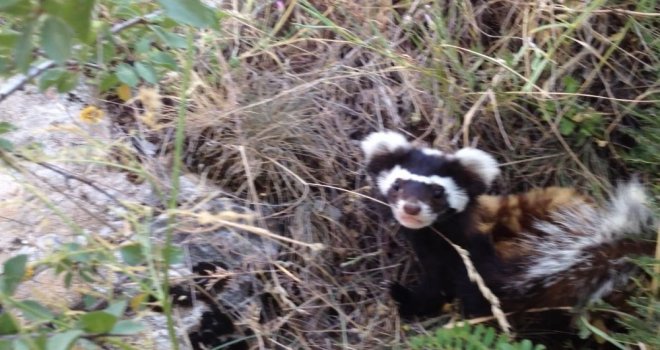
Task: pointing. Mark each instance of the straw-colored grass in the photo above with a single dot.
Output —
(284, 92)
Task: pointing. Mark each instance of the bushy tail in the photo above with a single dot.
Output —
(582, 252)
(627, 213)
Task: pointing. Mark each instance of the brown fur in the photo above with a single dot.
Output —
(608, 260)
(504, 218)
(507, 218)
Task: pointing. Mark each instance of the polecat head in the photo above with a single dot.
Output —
(424, 185)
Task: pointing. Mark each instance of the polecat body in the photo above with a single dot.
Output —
(546, 247)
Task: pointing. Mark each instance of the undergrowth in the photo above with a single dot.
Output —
(562, 93)
(470, 338)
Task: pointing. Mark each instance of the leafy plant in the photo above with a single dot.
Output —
(88, 36)
(49, 327)
(5, 145)
(640, 322)
(470, 337)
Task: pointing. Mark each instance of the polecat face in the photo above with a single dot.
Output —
(424, 185)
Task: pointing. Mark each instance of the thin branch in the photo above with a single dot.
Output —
(68, 175)
(17, 81)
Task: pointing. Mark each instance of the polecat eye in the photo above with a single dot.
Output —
(438, 192)
(396, 186)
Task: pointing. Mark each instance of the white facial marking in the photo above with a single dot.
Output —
(479, 162)
(426, 216)
(383, 142)
(456, 197)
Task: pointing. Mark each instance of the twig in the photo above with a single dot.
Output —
(485, 291)
(483, 319)
(205, 218)
(19, 80)
(656, 268)
(68, 175)
(613, 10)
(498, 119)
(250, 182)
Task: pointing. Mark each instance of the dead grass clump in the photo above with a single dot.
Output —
(285, 90)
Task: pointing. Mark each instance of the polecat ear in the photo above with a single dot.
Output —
(480, 163)
(383, 142)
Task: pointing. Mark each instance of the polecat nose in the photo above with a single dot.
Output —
(411, 209)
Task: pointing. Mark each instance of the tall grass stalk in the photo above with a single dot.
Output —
(176, 171)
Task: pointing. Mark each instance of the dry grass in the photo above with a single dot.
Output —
(283, 93)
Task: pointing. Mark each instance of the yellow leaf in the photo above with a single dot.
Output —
(124, 92)
(29, 272)
(91, 115)
(137, 301)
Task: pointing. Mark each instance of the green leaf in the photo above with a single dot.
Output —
(16, 7)
(571, 85)
(76, 13)
(8, 40)
(67, 82)
(147, 72)
(566, 126)
(6, 145)
(68, 279)
(50, 78)
(489, 337)
(127, 327)
(85, 344)
(89, 301)
(109, 52)
(173, 255)
(6, 127)
(14, 270)
(174, 40)
(128, 9)
(6, 345)
(143, 45)
(63, 341)
(56, 39)
(234, 62)
(23, 50)
(117, 308)
(8, 324)
(191, 12)
(97, 322)
(526, 344)
(108, 81)
(132, 254)
(7, 3)
(164, 60)
(597, 331)
(127, 75)
(34, 311)
(20, 344)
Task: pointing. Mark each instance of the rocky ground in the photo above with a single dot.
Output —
(43, 205)
(30, 200)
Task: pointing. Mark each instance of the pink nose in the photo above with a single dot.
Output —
(412, 209)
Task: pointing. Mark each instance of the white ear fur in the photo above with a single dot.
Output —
(383, 142)
(479, 162)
